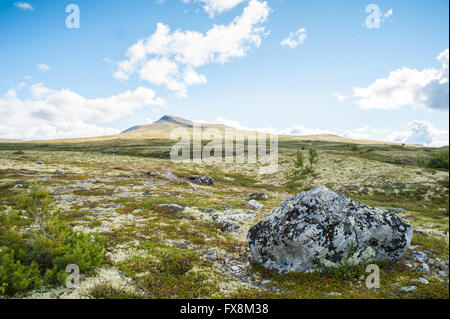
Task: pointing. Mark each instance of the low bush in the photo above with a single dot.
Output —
(31, 258)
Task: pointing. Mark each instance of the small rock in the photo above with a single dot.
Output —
(58, 172)
(235, 268)
(259, 196)
(208, 211)
(337, 160)
(146, 193)
(39, 163)
(212, 255)
(419, 256)
(425, 269)
(203, 180)
(227, 207)
(408, 288)
(265, 282)
(170, 208)
(228, 226)
(253, 204)
(19, 186)
(421, 280)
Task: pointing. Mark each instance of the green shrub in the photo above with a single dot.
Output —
(438, 161)
(32, 259)
(16, 277)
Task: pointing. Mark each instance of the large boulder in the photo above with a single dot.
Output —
(323, 228)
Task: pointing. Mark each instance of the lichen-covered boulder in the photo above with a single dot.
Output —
(324, 228)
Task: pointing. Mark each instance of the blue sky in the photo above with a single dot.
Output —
(339, 74)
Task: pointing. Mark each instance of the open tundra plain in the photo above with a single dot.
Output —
(113, 187)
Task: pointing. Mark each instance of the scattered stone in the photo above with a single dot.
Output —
(232, 216)
(58, 172)
(337, 160)
(425, 269)
(230, 227)
(235, 268)
(419, 256)
(39, 163)
(327, 227)
(227, 207)
(146, 193)
(203, 180)
(253, 204)
(209, 211)
(259, 196)
(18, 186)
(212, 255)
(421, 280)
(228, 222)
(265, 282)
(408, 288)
(170, 208)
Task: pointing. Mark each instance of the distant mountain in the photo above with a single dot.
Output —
(165, 121)
(162, 128)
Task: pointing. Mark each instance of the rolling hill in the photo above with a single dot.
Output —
(162, 128)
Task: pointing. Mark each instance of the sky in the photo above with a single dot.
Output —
(358, 69)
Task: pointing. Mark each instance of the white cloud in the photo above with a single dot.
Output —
(422, 133)
(417, 132)
(407, 87)
(213, 7)
(24, 6)
(295, 39)
(170, 57)
(43, 113)
(297, 130)
(43, 67)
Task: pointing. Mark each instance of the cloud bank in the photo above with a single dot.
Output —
(36, 112)
(417, 132)
(427, 88)
(170, 58)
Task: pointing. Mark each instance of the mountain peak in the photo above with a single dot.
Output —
(171, 119)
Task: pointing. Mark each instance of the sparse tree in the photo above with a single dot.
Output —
(299, 161)
(313, 156)
(37, 204)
